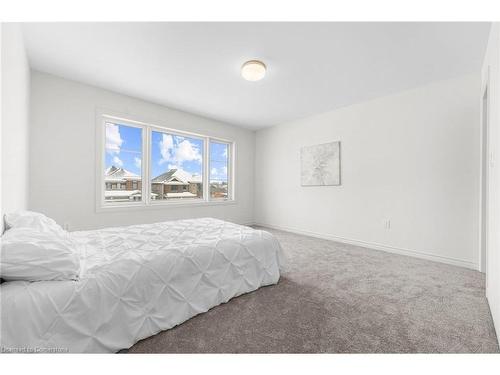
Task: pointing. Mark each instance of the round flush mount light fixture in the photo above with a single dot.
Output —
(253, 70)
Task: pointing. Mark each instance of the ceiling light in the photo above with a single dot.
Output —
(253, 70)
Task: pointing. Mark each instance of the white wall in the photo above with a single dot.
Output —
(1, 127)
(411, 158)
(491, 78)
(15, 120)
(63, 157)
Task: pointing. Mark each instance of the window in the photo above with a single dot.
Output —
(219, 157)
(176, 164)
(122, 163)
(179, 167)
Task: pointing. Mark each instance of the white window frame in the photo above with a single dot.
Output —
(147, 127)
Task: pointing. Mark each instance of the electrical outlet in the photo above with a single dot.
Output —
(387, 224)
(66, 226)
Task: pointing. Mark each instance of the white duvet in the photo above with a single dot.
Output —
(137, 281)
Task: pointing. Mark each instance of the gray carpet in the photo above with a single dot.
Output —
(337, 298)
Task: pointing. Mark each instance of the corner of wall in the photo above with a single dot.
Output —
(1, 126)
(15, 88)
(491, 77)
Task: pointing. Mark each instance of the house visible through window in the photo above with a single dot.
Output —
(173, 160)
(176, 166)
(123, 155)
(219, 156)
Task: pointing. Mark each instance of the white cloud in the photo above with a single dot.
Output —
(186, 151)
(218, 173)
(113, 139)
(166, 146)
(173, 166)
(176, 154)
(117, 161)
(224, 153)
(137, 162)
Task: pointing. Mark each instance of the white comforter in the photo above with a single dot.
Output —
(137, 281)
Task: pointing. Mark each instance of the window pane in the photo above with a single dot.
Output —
(122, 173)
(219, 170)
(176, 167)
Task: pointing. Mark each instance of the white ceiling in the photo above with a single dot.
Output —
(312, 67)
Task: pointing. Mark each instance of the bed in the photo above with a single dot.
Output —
(136, 281)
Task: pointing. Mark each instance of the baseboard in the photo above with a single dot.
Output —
(377, 246)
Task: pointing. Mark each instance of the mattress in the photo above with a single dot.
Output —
(137, 281)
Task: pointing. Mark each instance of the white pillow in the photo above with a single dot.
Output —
(27, 254)
(34, 220)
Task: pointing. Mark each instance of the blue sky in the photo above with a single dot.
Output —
(218, 161)
(124, 149)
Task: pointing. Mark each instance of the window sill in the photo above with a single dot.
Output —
(164, 204)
